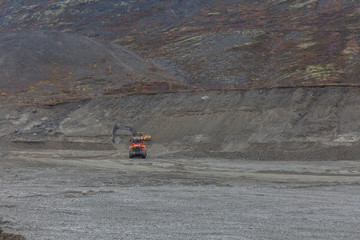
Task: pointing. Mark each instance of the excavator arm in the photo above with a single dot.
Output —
(132, 130)
(119, 127)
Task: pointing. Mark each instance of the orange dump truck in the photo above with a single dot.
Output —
(137, 147)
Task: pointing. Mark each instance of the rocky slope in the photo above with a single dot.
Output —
(216, 44)
(276, 124)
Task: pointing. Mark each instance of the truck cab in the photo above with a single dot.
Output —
(137, 147)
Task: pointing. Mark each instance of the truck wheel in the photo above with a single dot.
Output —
(130, 155)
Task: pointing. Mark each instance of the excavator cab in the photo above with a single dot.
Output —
(143, 136)
(135, 140)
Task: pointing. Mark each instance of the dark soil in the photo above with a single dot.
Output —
(9, 236)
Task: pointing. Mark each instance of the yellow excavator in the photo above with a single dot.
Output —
(137, 146)
(133, 132)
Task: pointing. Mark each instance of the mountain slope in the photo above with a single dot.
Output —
(217, 44)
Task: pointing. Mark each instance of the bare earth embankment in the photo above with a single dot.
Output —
(256, 164)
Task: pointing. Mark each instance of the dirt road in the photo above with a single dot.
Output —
(72, 194)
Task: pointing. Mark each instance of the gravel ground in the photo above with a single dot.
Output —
(97, 195)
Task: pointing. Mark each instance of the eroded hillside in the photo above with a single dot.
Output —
(267, 124)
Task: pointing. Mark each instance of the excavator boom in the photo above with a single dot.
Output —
(132, 130)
